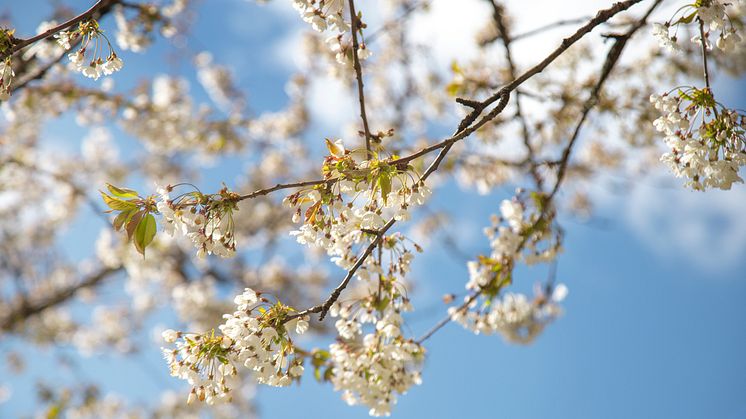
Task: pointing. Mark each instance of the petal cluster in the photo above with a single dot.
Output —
(706, 141)
(254, 338)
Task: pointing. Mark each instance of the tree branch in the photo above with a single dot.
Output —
(408, 9)
(22, 43)
(279, 186)
(549, 26)
(354, 27)
(326, 305)
(26, 308)
(612, 57)
(703, 42)
(499, 17)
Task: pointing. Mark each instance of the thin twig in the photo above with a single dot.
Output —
(354, 27)
(612, 58)
(499, 18)
(326, 305)
(703, 41)
(39, 73)
(408, 9)
(21, 43)
(30, 308)
(549, 26)
(445, 320)
(77, 190)
(279, 186)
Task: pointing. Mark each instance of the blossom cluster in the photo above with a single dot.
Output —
(374, 371)
(167, 121)
(712, 14)
(371, 368)
(255, 336)
(519, 234)
(372, 362)
(91, 37)
(707, 141)
(327, 14)
(322, 15)
(134, 32)
(218, 82)
(354, 204)
(514, 316)
(524, 232)
(205, 219)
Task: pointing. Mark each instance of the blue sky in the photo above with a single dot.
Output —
(652, 329)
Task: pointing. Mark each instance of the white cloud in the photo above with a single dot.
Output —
(449, 27)
(707, 229)
(331, 104)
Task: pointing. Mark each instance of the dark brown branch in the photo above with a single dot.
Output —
(279, 186)
(611, 60)
(601, 17)
(27, 308)
(354, 27)
(43, 70)
(40, 73)
(703, 42)
(499, 18)
(22, 43)
(326, 305)
(465, 133)
(408, 9)
(549, 26)
(465, 127)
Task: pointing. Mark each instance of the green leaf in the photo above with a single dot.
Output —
(54, 411)
(382, 304)
(328, 374)
(336, 148)
(456, 68)
(144, 233)
(117, 204)
(686, 19)
(384, 181)
(453, 89)
(134, 221)
(121, 192)
(121, 219)
(320, 357)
